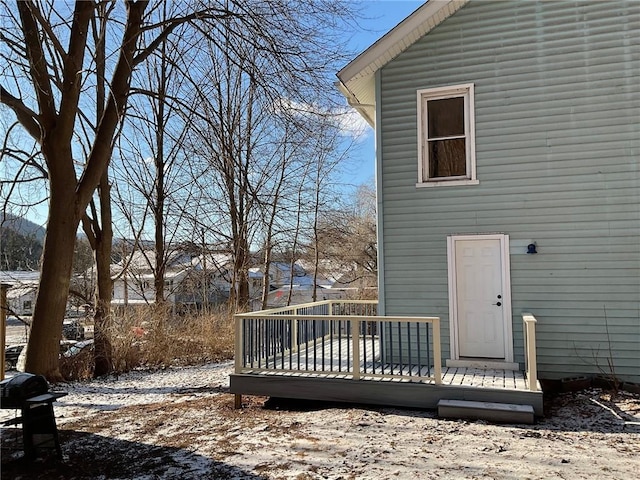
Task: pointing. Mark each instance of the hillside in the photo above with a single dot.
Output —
(22, 226)
(20, 244)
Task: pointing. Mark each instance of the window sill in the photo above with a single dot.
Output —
(447, 183)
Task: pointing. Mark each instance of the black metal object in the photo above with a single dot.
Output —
(30, 393)
(15, 390)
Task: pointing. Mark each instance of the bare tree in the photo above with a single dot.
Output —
(248, 105)
(51, 65)
(45, 87)
(345, 241)
(152, 163)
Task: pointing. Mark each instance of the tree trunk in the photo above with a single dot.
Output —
(266, 268)
(51, 301)
(242, 279)
(102, 319)
(102, 231)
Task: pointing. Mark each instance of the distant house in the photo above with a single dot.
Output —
(283, 273)
(21, 296)
(133, 279)
(188, 280)
(333, 282)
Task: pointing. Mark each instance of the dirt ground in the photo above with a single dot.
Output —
(180, 423)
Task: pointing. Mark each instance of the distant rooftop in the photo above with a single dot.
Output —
(18, 277)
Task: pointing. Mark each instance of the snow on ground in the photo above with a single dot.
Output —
(180, 423)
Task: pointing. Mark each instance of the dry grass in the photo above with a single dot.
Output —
(154, 337)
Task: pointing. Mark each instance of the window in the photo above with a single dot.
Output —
(446, 136)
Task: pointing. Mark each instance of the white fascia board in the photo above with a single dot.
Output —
(357, 77)
(399, 38)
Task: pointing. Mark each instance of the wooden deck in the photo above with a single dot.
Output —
(341, 360)
(388, 392)
(321, 373)
(460, 376)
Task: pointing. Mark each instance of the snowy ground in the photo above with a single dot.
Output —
(180, 423)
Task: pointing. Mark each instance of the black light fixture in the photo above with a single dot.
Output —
(531, 249)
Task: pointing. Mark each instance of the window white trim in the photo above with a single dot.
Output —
(423, 96)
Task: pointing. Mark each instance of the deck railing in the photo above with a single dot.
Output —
(530, 360)
(338, 339)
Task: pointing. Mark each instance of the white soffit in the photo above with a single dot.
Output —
(357, 79)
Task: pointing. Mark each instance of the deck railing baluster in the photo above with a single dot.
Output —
(306, 337)
(409, 348)
(349, 340)
(364, 346)
(419, 348)
(282, 343)
(355, 334)
(259, 341)
(390, 349)
(315, 347)
(373, 346)
(428, 352)
(252, 341)
(328, 337)
(339, 345)
(400, 359)
(331, 330)
(324, 337)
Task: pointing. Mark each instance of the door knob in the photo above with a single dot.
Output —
(498, 304)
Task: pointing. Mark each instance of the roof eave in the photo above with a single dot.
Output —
(357, 78)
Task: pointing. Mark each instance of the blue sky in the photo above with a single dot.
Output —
(382, 16)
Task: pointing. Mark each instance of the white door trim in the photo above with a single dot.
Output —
(506, 292)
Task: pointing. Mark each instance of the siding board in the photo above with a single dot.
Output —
(557, 100)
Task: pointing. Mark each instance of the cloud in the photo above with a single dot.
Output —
(352, 124)
(346, 118)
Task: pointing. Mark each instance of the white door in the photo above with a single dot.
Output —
(480, 313)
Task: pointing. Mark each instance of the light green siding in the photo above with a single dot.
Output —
(557, 103)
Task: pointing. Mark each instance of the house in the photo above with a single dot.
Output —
(133, 278)
(508, 168)
(333, 281)
(21, 296)
(185, 285)
(282, 274)
(508, 180)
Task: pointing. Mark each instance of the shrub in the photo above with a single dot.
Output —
(153, 336)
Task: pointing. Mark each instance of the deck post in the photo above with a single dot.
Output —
(437, 354)
(355, 340)
(531, 362)
(294, 331)
(237, 401)
(239, 353)
(3, 320)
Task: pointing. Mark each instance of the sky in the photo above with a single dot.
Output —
(379, 16)
(382, 16)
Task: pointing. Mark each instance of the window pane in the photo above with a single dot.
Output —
(446, 117)
(447, 158)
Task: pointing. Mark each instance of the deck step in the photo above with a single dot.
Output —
(494, 412)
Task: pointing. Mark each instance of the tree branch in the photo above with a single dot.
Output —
(72, 71)
(103, 145)
(27, 117)
(173, 24)
(37, 63)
